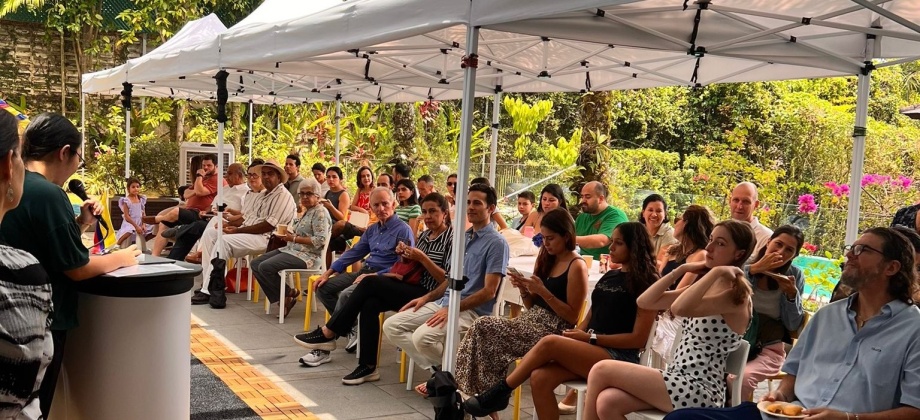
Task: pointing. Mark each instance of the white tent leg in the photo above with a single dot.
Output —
(250, 131)
(83, 133)
(859, 146)
(463, 175)
(338, 128)
(128, 143)
(493, 151)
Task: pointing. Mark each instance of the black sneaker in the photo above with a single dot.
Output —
(200, 298)
(361, 375)
(492, 400)
(315, 340)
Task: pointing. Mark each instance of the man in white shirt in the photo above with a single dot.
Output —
(251, 237)
(743, 203)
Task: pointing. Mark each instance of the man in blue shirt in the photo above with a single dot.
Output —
(858, 358)
(378, 244)
(420, 328)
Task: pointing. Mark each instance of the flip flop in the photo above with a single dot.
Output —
(422, 389)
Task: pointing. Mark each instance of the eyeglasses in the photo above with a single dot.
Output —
(859, 248)
(305, 194)
(451, 184)
(82, 162)
(252, 174)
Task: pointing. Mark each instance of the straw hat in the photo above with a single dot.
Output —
(273, 164)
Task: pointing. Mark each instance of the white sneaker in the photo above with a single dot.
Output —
(352, 345)
(316, 358)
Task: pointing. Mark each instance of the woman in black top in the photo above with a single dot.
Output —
(336, 200)
(26, 346)
(554, 296)
(614, 328)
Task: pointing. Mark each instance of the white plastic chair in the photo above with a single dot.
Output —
(310, 293)
(580, 386)
(734, 366)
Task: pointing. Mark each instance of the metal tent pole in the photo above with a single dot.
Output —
(222, 96)
(250, 131)
(83, 132)
(338, 127)
(864, 80)
(496, 115)
(126, 104)
(463, 175)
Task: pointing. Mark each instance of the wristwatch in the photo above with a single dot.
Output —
(593, 339)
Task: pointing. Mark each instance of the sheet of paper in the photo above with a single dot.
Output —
(359, 219)
(135, 270)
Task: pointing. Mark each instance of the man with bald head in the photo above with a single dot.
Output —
(597, 220)
(742, 203)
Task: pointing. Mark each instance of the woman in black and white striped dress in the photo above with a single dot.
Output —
(26, 347)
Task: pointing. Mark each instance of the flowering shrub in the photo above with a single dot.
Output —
(807, 204)
(808, 248)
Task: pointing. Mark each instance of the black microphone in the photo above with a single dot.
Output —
(76, 186)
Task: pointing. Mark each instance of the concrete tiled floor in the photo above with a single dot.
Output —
(268, 346)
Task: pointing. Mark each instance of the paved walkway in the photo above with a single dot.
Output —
(258, 339)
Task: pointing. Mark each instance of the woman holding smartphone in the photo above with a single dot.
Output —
(613, 329)
(553, 296)
(778, 288)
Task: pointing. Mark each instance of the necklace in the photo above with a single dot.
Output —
(860, 324)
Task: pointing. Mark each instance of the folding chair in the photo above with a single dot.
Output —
(311, 294)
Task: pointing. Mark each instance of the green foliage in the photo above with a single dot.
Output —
(525, 119)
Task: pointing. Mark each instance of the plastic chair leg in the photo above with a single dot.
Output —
(517, 398)
(410, 374)
(255, 292)
(310, 302)
(580, 406)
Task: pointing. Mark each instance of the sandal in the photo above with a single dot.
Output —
(290, 299)
(422, 389)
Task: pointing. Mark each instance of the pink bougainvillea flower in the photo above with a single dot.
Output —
(902, 182)
(807, 204)
(811, 248)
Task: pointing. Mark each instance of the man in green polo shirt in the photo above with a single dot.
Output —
(597, 220)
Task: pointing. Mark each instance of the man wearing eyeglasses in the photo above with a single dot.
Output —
(858, 358)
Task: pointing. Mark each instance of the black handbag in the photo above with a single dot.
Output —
(217, 286)
(443, 395)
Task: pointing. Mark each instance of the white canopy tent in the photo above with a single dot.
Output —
(542, 45)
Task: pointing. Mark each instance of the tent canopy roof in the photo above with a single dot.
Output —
(398, 50)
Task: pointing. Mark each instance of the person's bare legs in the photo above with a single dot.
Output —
(575, 356)
(542, 383)
(618, 388)
(159, 243)
(570, 397)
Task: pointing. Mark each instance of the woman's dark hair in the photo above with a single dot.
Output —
(698, 225)
(654, 198)
(527, 195)
(130, 181)
(49, 132)
(799, 237)
(643, 269)
(413, 198)
(337, 170)
(441, 201)
(556, 191)
(358, 178)
(897, 247)
(9, 133)
(560, 222)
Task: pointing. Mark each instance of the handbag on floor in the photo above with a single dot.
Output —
(217, 286)
(444, 396)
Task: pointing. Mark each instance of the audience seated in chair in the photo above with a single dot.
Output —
(409, 284)
(717, 310)
(251, 237)
(197, 199)
(857, 358)
(614, 328)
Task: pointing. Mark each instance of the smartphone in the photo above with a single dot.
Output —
(514, 272)
(775, 276)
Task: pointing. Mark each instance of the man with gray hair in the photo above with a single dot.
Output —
(378, 244)
(597, 220)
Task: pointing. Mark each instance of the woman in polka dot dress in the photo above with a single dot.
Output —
(717, 310)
